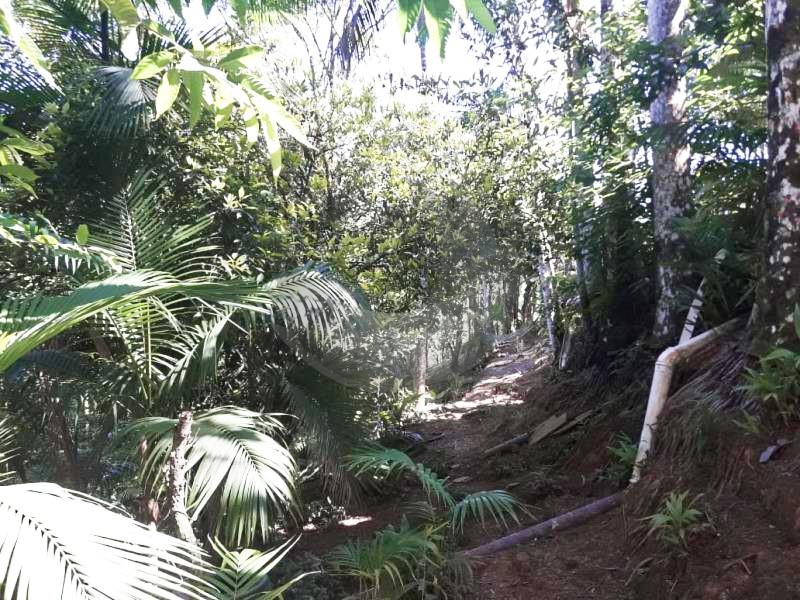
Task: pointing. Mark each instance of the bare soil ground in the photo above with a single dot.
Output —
(748, 549)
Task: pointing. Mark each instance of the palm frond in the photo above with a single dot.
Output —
(386, 462)
(239, 472)
(361, 24)
(498, 505)
(136, 231)
(126, 109)
(244, 575)
(61, 544)
(54, 361)
(329, 423)
(311, 301)
(25, 324)
(8, 448)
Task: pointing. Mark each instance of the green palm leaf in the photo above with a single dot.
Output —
(60, 544)
(495, 504)
(239, 472)
(244, 575)
(388, 561)
(25, 324)
(385, 462)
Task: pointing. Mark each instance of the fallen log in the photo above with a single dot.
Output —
(565, 521)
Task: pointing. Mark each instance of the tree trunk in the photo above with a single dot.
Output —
(670, 181)
(488, 324)
(105, 55)
(458, 341)
(548, 302)
(421, 371)
(527, 302)
(511, 303)
(778, 288)
(176, 477)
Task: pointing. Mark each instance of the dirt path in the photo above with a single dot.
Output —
(744, 554)
(462, 422)
(578, 564)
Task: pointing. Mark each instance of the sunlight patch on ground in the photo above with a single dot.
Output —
(353, 521)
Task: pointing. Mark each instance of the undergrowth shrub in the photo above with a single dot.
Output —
(776, 379)
(418, 561)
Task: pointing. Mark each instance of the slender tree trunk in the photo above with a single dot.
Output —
(488, 324)
(582, 174)
(670, 181)
(176, 477)
(421, 370)
(779, 285)
(548, 302)
(65, 451)
(511, 303)
(458, 341)
(527, 301)
(105, 54)
(474, 312)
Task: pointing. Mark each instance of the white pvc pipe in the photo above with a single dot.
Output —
(662, 378)
(697, 304)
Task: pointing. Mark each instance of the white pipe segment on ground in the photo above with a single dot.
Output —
(662, 378)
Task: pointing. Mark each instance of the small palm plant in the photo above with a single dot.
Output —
(624, 453)
(244, 575)
(675, 520)
(382, 565)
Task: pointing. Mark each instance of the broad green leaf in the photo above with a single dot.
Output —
(128, 18)
(167, 91)
(27, 146)
(245, 56)
(222, 115)
(21, 172)
(123, 11)
(779, 354)
(152, 64)
(250, 125)
(82, 235)
(478, 10)
(273, 145)
(159, 30)
(284, 120)
(16, 33)
(408, 13)
(438, 20)
(194, 84)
